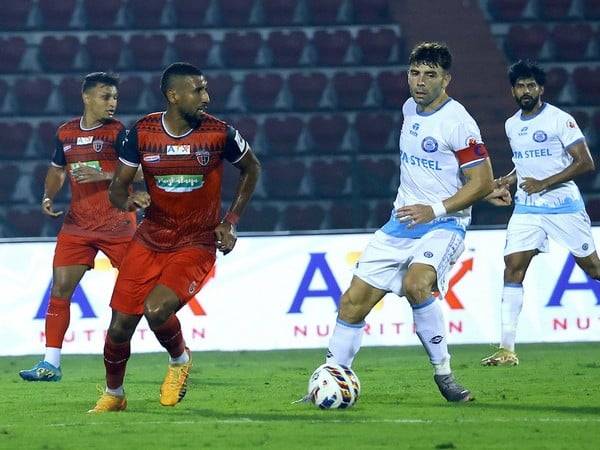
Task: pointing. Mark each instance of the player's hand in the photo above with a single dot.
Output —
(532, 186)
(87, 174)
(48, 208)
(226, 237)
(415, 214)
(500, 196)
(137, 200)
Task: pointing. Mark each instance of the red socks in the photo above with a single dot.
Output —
(170, 337)
(58, 317)
(115, 362)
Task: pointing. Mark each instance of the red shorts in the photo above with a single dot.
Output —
(183, 271)
(74, 250)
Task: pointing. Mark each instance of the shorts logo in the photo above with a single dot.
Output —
(179, 150)
(192, 288)
(436, 339)
(85, 140)
(428, 255)
(152, 158)
(540, 136)
(429, 144)
(585, 246)
(97, 145)
(66, 148)
(203, 157)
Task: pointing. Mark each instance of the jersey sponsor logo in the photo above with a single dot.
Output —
(239, 140)
(97, 145)
(152, 158)
(85, 140)
(419, 162)
(66, 148)
(176, 150)
(523, 131)
(203, 157)
(92, 164)
(179, 183)
(415, 129)
(429, 144)
(540, 136)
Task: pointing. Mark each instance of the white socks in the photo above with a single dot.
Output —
(345, 342)
(181, 359)
(118, 392)
(53, 356)
(512, 303)
(431, 329)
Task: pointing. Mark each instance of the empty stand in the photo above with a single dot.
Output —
(303, 217)
(377, 45)
(507, 10)
(190, 13)
(9, 174)
(12, 50)
(236, 13)
(282, 133)
(259, 217)
(130, 92)
(325, 12)
(104, 51)
(332, 46)
(554, 9)
(46, 139)
(525, 41)
(148, 51)
(373, 131)
(556, 79)
(352, 89)
(25, 222)
(307, 89)
(56, 14)
(378, 177)
(286, 47)
(32, 95)
(70, 94)
(349, 214)
(587, 85)
(102, 14)
(241, 49)
(261, 90)
(393, 87)
(330, 178)
(279, 12)
(15, 139)
(282, 178)
(146, 13)
(13, 15)
(327, 132)
(57, 54)
(571, 41)
(371, 11)
(219, 89)
(194, 48)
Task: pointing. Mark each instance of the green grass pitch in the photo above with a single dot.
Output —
(243, 400)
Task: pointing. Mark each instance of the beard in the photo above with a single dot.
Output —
(192, 119)
(527, 102)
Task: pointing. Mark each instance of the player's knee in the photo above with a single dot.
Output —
(120, 331)
(513, 274)
(156, 314)
(62, 289)
(417, 290)
(351, 308)
(594, 272)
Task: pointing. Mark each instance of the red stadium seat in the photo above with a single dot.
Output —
(372, 11)
(582, 118)
(587, 85)
(70, 93)
(57, 54)
(381, 212)
(377, 46)
(394, 88)
(279, 12)
(591, 9)
(15, 139)
(324, 12)
(373, 131)
(12, 50)
(231, 176)
(332, 47)
(261, 90)
(25, 222)
(190, 13)
(327, 132)
(307, 89)
(9, 174)
(219, 90)
(571, 41)
(282, 178)
(56, 14)
(32, 95)
(193, 48)
(104, 51)
(130, 92)
(556, 79)
(146, 13)
(148, 51)
(554, 9)
(525, 42)
(46, 139)
(282, 133)
(352, 89)
(378, 177)
(259, 217)
(507, 10)
(247, 126)
(287, 47)
(345, 215)
(241, 49)
(593, 208)
(102, 15)
(37, 178)
(13, 15)
(330, 178)
(303, 217)
(236, 13)
(3, 91)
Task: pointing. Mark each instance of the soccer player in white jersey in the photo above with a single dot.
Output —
(549, 150)
(444, 170)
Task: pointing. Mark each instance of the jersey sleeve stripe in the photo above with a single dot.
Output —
(242, 155)
(472, 163)
(128, 163)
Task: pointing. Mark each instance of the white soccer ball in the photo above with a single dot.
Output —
(333, 386)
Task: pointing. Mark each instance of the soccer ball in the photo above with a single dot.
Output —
(333, 386)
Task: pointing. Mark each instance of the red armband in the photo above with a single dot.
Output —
(472, 155)
(231, 217)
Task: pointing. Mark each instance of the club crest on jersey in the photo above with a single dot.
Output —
(97, 145)
(571, 124)
(152, 158)
(540, 136)
(85, 140)
(179, 150)
(429, 144)
(203, 157)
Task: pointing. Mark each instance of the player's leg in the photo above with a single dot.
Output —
(590, 265)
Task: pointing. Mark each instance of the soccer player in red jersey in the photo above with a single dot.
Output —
(181, 152)
(87, 149)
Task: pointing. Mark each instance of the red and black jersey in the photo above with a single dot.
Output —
(99, 147)
(183, 176)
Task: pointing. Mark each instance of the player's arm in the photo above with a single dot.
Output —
(55, 178)
(118, 191)
(582, 163)
(500, 196)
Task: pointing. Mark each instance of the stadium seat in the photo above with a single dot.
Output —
(15, 139)
(587, 85)
(104, 51)
(556, 79)
(12, 50)
(282, 178)
(190, 13)
(279, 12)
(371, 11)
(69, 89)
(261, 90)
(381, 212)
(394, 88)
(130, 91)
(303, 217)
(352, 89)
(145, 14)
(32, 95)
(554, 9)
(56, 14)
(287, 47)
(582, 118)
(148, 51)
(327, 132)
(332, 47)
(282, 133)
(307, 89)
(507, 10)
(525, 42)
(346, 214)
(378, 177)
(219, 90)
(9, 174)
(102, 15)
(236, 13)
(37, 178)
(3, 91)
(230, 180)
(194, 48)
(46, 139)
(571, 41)
(259, 217)
(330, 178)
(247, 126)
(377, 45)
(373, 131)
(13, 15)
(241, 49)
(591, 9)
(324, 12)
(57, 54)
(593, 208)
(25, 222)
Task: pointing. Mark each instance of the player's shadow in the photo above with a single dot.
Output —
(576, 410)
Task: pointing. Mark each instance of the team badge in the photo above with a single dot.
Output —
(428, 255)
(203, 157)
(85, 140)
(540, 136)
(571, 124)
(436, 339)
(97, 145)
(429, 144)
(192, 287)
(585, 246)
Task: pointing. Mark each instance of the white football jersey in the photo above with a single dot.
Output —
(539, 145)
(429, 169)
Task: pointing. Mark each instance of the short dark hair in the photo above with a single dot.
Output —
(432, 54)
(526, 69)
(177, 69)
(95, 78)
